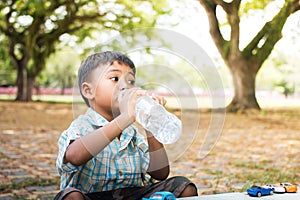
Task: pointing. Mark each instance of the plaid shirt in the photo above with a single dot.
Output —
(122, 163)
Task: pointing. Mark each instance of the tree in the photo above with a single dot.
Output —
(60, 71)
(7, 72)
(245, 63)
(33, 28)
(285, 87)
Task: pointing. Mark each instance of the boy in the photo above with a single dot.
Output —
(102, 155)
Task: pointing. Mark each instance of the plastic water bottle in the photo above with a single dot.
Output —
(164, 126)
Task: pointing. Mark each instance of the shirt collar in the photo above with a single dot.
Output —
(95, 118)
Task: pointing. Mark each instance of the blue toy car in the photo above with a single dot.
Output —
(258, 191)
(162, 195)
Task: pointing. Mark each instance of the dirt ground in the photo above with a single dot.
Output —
(35, 115)
(249, 148)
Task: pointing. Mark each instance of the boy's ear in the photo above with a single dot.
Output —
(87, 90)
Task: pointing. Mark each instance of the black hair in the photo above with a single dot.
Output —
(96, 60)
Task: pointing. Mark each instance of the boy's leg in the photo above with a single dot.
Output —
(132, 193)
(68, 192)
(178, 185)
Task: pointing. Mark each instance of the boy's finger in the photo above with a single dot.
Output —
(164, 101)
(141, 92)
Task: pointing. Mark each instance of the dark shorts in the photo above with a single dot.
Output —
(176, 185)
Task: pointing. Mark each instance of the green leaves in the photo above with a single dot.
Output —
(250, 5)
(34, 27)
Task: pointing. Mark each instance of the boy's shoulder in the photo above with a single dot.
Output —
(86, 122)
(90, 117)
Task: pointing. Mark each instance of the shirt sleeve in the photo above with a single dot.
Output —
(66, 138)
(144, 150)
(145, 158)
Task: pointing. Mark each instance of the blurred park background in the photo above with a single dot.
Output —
(254, 46)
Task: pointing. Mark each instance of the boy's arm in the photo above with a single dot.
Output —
(159, 163)
(82, 150)
(159, 168)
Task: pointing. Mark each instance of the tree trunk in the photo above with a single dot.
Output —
(243, 75)
(62, 92)
(30, 86)
(24, 82)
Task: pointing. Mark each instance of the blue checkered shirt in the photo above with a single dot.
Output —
(122, 163)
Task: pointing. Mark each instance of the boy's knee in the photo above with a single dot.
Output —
(190, 190)
(74, 196)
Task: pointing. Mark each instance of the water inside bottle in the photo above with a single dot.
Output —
(165, 126)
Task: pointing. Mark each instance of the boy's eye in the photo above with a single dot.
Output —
(114, 78)
(131, 82)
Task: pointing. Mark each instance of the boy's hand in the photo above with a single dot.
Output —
(159, 99)
(127, 101)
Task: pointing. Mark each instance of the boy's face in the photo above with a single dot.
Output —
(107, 82)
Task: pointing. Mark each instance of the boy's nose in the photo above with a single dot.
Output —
(122, 84)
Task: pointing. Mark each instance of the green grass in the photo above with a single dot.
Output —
(44, 98)
(214, 172)
(269, 176)
(27, 182)
(250, 164)
(249, 173)
(262, 172)
(2, 155)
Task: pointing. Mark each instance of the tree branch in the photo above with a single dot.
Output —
(234, 22)
(220, 42)
(87, 18)
(270, 34)
(12, 37)
(295, 6)
(223, 4)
